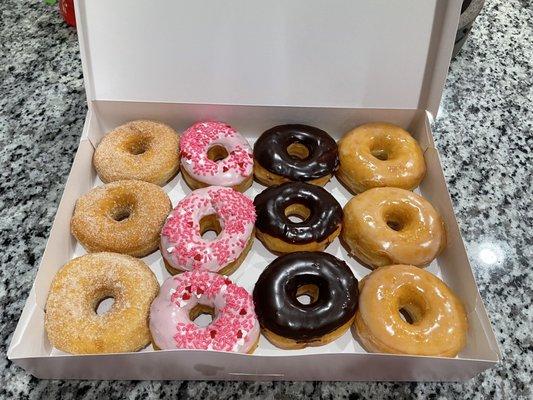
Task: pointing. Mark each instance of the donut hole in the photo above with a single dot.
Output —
(298, 150)
(217, 153)
(297, 213)
(104, 305)
(202, 315)
(381, 148)
(398, 218)
(380, 154)
(307, 294)
(138, 145)
(210, 227)
(412, 306)
(121, 212)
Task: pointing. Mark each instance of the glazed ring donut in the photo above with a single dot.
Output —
(71, 321)
(184, 297)
(406, 310)
(141, 150)
(230, 214)
(385, 226)
(295, 152)
(122, 217)
(215, 154)
(379, 155)
(321, 217)
(290, 324)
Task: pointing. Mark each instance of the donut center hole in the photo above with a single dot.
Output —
(298, 150)
(104, 305)
(138, 145)
(297, 213)
(404, 314)
(411, 306)
(202, 315)
(307, 294)
(397, 219)
(217, 153)
(122, 212)
(210, 227)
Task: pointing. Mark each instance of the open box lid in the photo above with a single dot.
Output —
(337, 53)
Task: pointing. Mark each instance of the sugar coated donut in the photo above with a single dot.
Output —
(320, 214)
(215, 154)
(122, 217)
(406, 310)
(142, 150)
(379, 155)
(223, 210)
(385, 226)
(295, 152)
(183, 297)
(71, 321)
(291, 324)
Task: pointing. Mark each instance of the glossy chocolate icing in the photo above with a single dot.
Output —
(270, 151)
(278, 309)
(324, 218)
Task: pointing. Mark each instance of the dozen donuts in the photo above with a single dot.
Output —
(305, 297)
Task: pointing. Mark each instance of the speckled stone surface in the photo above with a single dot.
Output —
(484, 133)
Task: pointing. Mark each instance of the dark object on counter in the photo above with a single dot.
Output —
(469, 12)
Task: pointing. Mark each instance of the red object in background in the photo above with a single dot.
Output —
(67, 11)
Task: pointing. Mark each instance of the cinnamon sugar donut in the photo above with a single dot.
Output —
(380, 155)
(406, 310)
(71, 321)
(141, 150)
(123, 217)
(385, 226)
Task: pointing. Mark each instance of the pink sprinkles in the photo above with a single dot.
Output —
(229, 328)
(185, 249)
(197, 140)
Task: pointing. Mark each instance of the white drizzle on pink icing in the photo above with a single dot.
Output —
(232, 170)
(183, 247)
(234, 326)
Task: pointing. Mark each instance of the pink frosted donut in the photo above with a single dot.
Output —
(182, 297)
(213, 153)
(230, 214)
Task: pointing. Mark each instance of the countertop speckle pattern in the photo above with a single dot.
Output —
(484, 134)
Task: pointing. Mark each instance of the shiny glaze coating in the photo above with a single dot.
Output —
(380, 155)
(385, 226)
(270, 151)
(275, 295)
(439, 322)
(324, 219)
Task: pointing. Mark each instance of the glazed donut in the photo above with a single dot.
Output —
(223, 210)
(122, 217)
(379, 155)
(385, 226)
(290, 324)
(321, 217)
(215, 154)
(184, 297)
(141, 150)
(406, 310)
(71, 321)
(295, 153)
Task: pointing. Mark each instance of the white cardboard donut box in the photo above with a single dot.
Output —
(256, 64)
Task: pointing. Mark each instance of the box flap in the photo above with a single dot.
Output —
(338, 53)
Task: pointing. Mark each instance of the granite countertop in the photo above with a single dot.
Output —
(484, 134)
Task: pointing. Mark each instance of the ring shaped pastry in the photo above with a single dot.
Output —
(385, 226)
(71, 320)
(141, 150)
(215, 154)
(184, 297)
(122, 217)
(406, 310)
(290, 324)
(320, 214)
(230, 214)
(379, 155)
(295, 153)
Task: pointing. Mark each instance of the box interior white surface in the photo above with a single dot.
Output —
(331, 64)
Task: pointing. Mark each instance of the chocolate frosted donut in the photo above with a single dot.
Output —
(321, 217)
(295, 153)
(290, 324)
